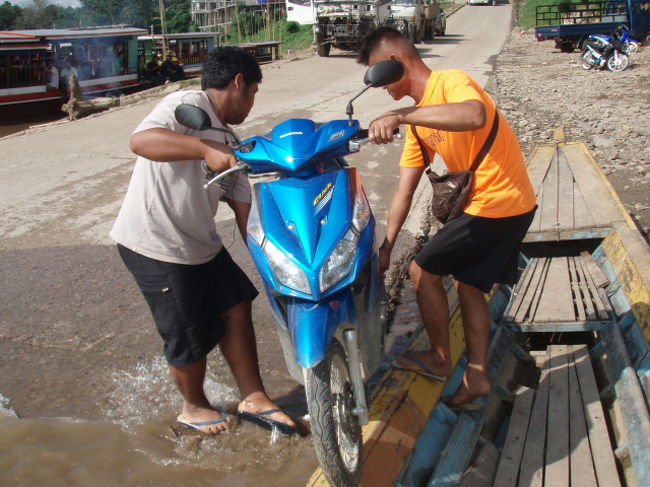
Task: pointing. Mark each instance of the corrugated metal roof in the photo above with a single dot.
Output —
(13, 36)
(58, 34)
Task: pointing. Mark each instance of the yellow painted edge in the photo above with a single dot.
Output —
(632, 266)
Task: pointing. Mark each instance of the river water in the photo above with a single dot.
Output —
(143, 446)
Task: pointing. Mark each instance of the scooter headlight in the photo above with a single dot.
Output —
(361, 212)
(285, 270)
(254, 227)
(340, 262)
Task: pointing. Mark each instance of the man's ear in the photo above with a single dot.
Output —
(239, 81)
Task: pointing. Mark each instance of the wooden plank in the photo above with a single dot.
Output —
(585, 291)
(556, 301)
(540, 161)
(508, 469)
(582, 466)
(598, 199)
(582, 215)
(601, 450)
(539, 290)
(520, 290)
(599, 277)
(556, 471)
(565, 210)
(599, 307)
(549, 206)
(531, 473)
(575, 288)
(533, 292)
(535, 225)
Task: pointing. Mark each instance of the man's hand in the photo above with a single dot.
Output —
(217, 156)
(381, 129)
(384, 257)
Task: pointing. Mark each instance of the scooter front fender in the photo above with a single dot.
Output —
(313, 325)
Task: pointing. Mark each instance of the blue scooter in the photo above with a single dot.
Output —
(311, 233)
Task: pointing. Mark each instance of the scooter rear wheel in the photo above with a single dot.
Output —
(335, 430)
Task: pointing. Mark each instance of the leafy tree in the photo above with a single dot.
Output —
(9, 14)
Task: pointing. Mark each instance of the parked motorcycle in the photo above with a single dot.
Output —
(311, 234)
(600, 51)
(622, 34)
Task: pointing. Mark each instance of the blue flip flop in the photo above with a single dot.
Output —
(474, 405)
(195, 426)
(262, 419)
(425, 370)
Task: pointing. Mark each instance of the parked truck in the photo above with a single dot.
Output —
(569, 24)
(343, 24)
(418, 19)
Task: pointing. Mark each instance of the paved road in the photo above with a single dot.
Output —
(76, 339)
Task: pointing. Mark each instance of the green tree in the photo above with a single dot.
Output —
(9, 14)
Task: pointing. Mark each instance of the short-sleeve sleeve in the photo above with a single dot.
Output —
(412, 154)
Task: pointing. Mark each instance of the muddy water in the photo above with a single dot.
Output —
(144, 446)
(82, 365)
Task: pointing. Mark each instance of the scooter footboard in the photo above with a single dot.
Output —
(313, 325)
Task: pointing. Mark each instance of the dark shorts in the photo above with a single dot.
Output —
(477, 251)
(187, 301)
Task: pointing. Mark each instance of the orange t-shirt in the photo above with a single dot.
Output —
(502, 187)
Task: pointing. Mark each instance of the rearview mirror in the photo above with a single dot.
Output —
(383, 73)
(192, 116)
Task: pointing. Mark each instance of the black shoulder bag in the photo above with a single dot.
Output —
(451, 191)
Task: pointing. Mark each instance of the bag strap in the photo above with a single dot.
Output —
(487, 145)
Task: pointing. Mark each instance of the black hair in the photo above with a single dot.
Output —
(370, 42)
(224, 63)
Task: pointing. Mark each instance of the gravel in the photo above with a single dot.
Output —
(538, 89)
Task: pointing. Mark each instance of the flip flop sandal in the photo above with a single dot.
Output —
(262, 419)
(426, 371)
(196, 425)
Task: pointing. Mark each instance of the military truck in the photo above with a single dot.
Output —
(343, 24)
(418, 20)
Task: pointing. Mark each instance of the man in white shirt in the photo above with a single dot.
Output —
(52, 76)
(168, 239)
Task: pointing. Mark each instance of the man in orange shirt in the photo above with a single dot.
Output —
(454, 117)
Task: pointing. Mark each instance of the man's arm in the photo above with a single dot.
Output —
(451, 117)
(162, 145)
(409, 177)
(241, 211)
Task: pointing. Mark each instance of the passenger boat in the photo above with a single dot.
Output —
(105, 59)
(568, 358)
(190, 48)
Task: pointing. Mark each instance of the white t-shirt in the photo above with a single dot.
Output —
(166, 214)
(53, 79)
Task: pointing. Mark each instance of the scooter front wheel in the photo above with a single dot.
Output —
(335, 429)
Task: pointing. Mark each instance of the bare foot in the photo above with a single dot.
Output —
(259, 402)
(475, 384)
(434, 365)
(194, 417)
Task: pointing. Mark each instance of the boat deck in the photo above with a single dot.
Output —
(558, 429)
(562, 293)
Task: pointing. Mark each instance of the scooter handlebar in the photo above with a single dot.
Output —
(241, 166)
(362, 138)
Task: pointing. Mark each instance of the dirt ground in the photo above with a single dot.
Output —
(539, 88)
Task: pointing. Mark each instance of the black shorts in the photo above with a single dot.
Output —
(477, 251)
(187, 301)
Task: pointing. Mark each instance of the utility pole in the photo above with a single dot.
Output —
(163, 27)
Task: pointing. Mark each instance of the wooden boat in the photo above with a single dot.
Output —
(105, 59)
(190, 48)
(568, 358)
